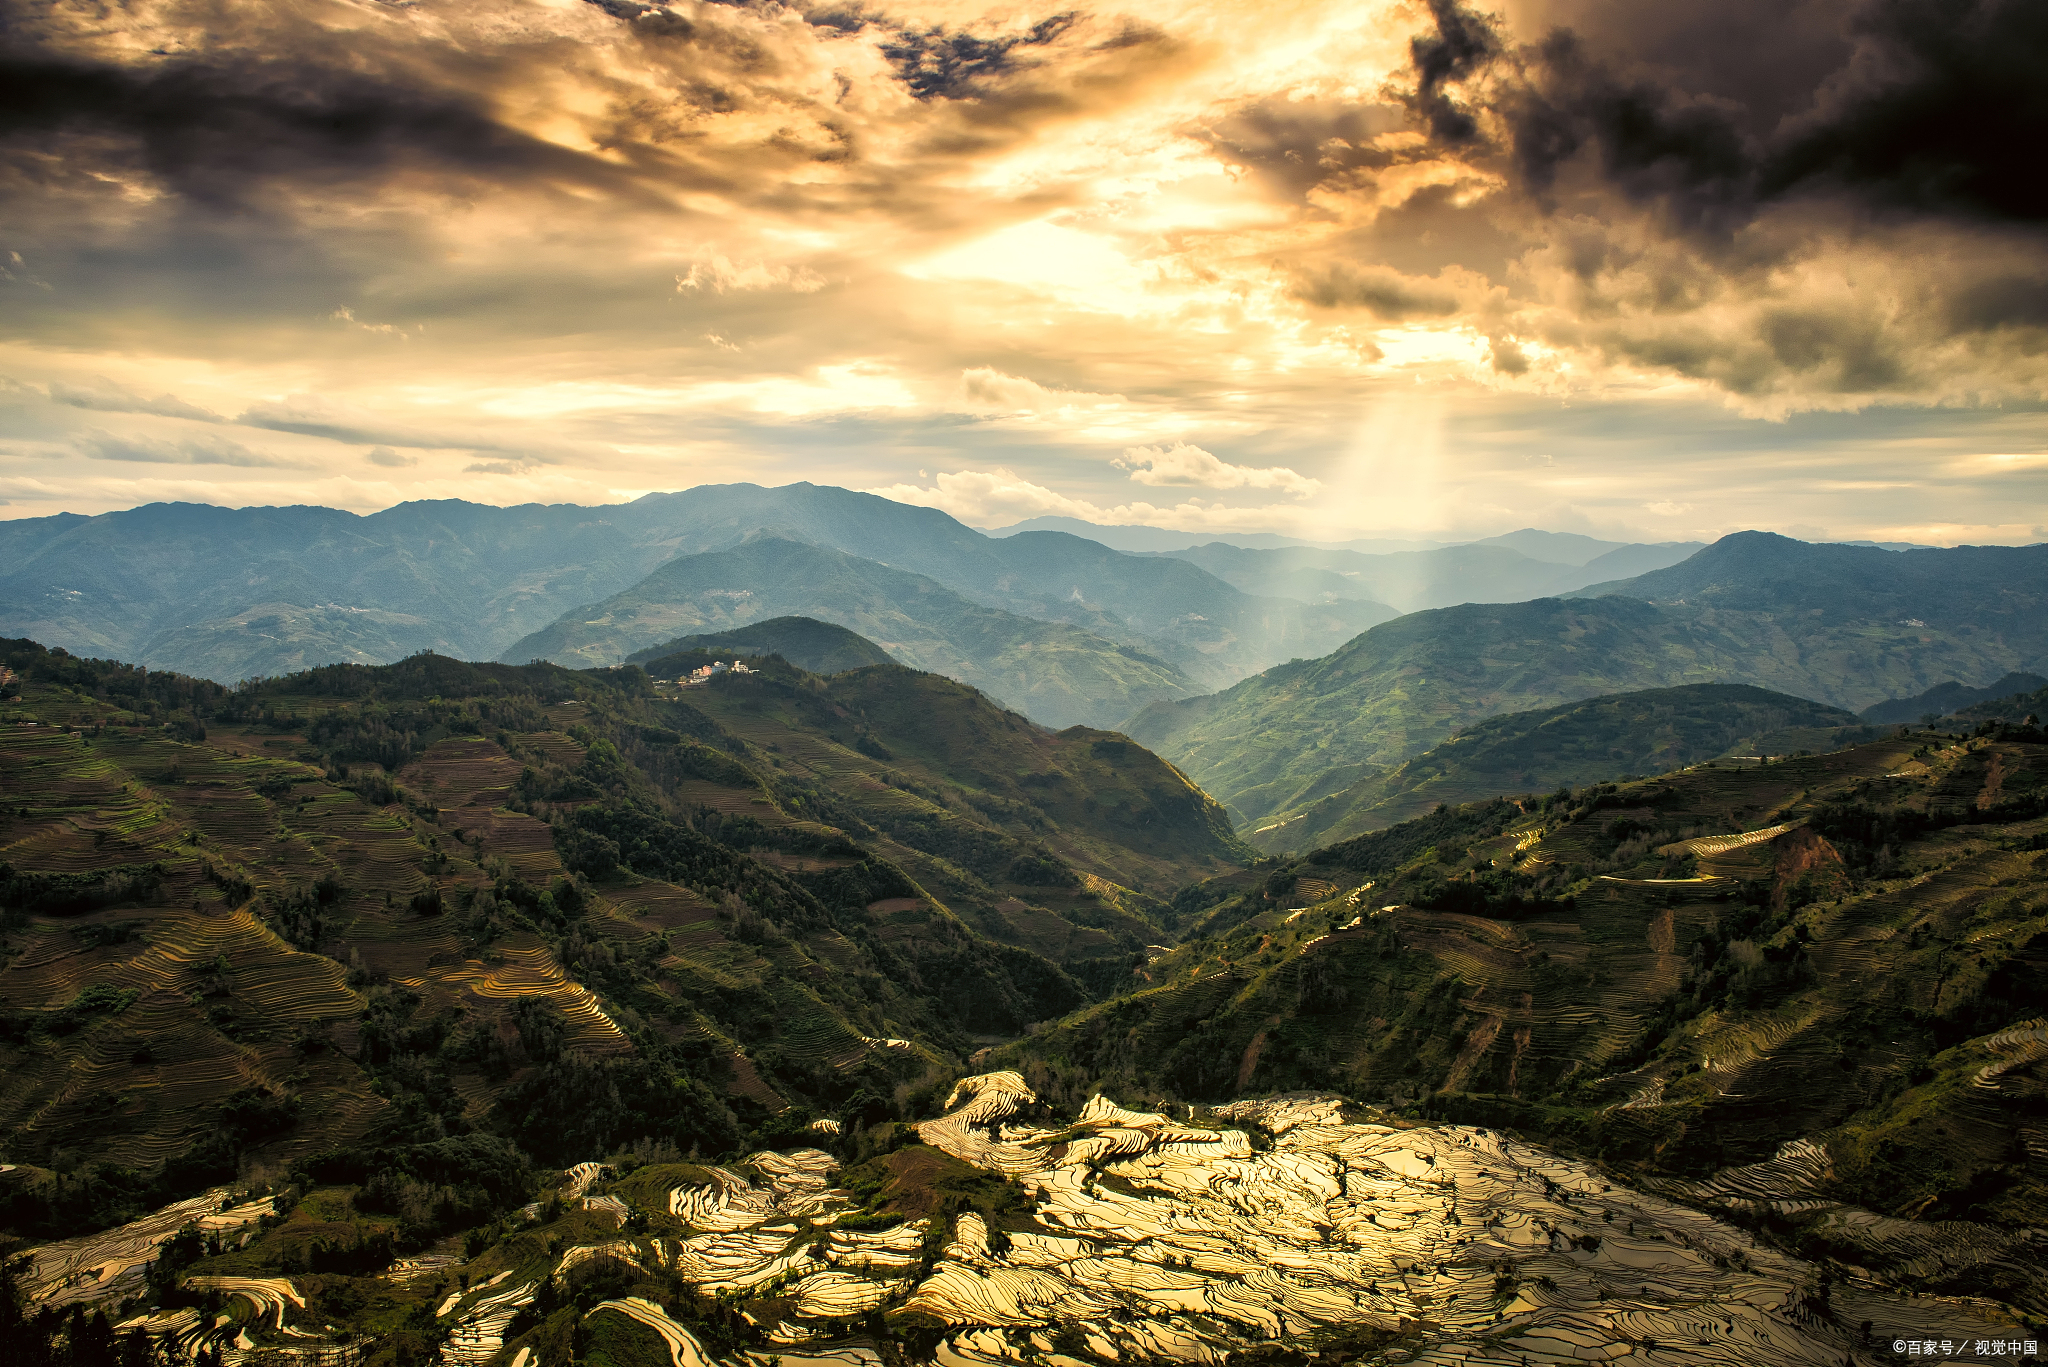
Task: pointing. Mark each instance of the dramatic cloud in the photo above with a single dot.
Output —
(1385, 256)
(1871, 240)
(1181, 463)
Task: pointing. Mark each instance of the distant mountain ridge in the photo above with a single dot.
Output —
(1059, 674)
(2011, 708)
(177, 586)
(1765, 572)
(1953, 696)
(1136, 539)
(1309, 728)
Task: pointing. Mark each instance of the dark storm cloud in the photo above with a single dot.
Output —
(1463, 43)
(214, 126)
(2000, 301)
(1944, 113)
(936, 64)
(1299, 142)
(1386, 293)
(1936, 109)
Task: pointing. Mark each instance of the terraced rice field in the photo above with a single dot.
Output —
(661, 906)
(1725, 844)
(809, 1031)
(529, 970)
(717, 797)
(554, 747)
(464, 772)
(1165, 1241)
(2016, 1048)
(479, 1332)
(683, 1348)
(1161, 1240)
(1204, 1246)
(90, 1083)
(267, 1296)
(97, 1267)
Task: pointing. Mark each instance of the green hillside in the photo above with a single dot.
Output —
(519, 1013)
(1572, 744)
(368, 909)
(1842, 953)
(1065, 843)
(811, 645)
(1309, 728)
(1059, 674)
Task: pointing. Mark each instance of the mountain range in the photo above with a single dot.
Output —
(1741, 611)
(234, 593)
(1061, 674)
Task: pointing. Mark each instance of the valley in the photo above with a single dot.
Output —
(850, 1017)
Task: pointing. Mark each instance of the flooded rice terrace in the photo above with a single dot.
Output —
(1278, 1221)
(1183, 1243)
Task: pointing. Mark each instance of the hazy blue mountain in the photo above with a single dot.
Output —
(1556, 548)
(1759, 613)
(814, 646)
(1639, 559)
(1990, 586)
(1482, 572)
(1125, 537)
(155, 584)
(1058, 674)
(1651, 731)
(1207, 627)
(169, 584)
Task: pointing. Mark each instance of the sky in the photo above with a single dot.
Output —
(1653, 272)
